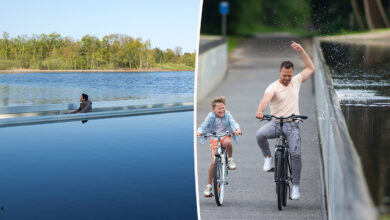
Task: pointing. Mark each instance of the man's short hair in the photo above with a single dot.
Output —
(219, 99)
(287, 65)
(85, 96)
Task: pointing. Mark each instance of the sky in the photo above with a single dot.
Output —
(166, 23)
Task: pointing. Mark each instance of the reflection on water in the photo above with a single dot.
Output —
(359, 73)
(56, 88)
(369, 128)
(118, 168)
(361, 76)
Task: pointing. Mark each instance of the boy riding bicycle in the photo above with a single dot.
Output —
(219, 121)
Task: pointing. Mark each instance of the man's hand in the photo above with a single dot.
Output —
(238, 132)
(198, 134)
(309, 66)
(297, 47)
(259, 115)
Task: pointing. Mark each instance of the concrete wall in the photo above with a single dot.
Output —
(212, 66)
(110, 113)
(347, 195)
(22, 115)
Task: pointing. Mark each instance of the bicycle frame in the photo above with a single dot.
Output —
(222, 153)
(282, 157)
(285, 149)
(220, 167)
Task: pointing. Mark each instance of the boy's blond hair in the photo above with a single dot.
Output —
(219, 99)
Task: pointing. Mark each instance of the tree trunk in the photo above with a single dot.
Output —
(375, 15)
(383, 14)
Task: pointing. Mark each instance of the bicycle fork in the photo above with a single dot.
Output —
(224, 178)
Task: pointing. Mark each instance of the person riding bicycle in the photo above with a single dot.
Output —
(219, 121)
(283, 97)
(85, 105)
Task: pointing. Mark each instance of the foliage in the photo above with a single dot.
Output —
(115, 51)
(246, 16)
(303, 17)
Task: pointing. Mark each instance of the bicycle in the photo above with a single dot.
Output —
(220, 169)
(282, 160)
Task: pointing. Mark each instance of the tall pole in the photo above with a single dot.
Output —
(223, 10)
(224, 25)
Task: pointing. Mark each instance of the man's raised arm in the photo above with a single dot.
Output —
(309, 66)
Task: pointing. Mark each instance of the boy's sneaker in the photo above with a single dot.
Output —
(295, 192)
(207, 192)
(268, 164)
(231, 164)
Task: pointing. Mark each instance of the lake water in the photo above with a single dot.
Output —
(56, 88)
(119, 168)
(361, 76)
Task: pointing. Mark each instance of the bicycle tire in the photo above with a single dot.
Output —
(285, 176)
(278, 176)
(285, 194)
(218, 186)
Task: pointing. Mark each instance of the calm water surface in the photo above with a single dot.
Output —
(56, 88)
(361, 76)
(120, 168)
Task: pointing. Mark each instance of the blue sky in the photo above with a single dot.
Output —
(167, 23)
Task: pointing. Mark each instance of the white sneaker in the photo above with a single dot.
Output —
(268, 164)
(295, 192)
(231, 164)
(207, 192)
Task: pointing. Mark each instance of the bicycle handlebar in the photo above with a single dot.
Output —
(217, 136)
(292, 117)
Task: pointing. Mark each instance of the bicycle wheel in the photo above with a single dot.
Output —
(218, 185)
(278, 178)
(285, 179)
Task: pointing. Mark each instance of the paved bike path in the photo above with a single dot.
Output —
(251, 192)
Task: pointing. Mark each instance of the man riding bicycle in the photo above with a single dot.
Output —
(283, 97)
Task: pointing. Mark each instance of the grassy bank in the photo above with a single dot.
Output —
(385, 217)
(163, 68)
(174, 66)
(233, 42)
(251, 31)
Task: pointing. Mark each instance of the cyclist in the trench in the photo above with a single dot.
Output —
(283, 96)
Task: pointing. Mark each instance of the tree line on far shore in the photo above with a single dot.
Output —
(114, 51)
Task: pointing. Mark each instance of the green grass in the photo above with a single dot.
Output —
(385, 217)
(233, 42)
(174, 66)
(250, 31)
(345, 32)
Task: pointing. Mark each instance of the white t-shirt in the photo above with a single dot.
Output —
(285, 99)
(219, 127)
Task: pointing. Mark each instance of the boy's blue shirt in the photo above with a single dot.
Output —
(208, 126)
